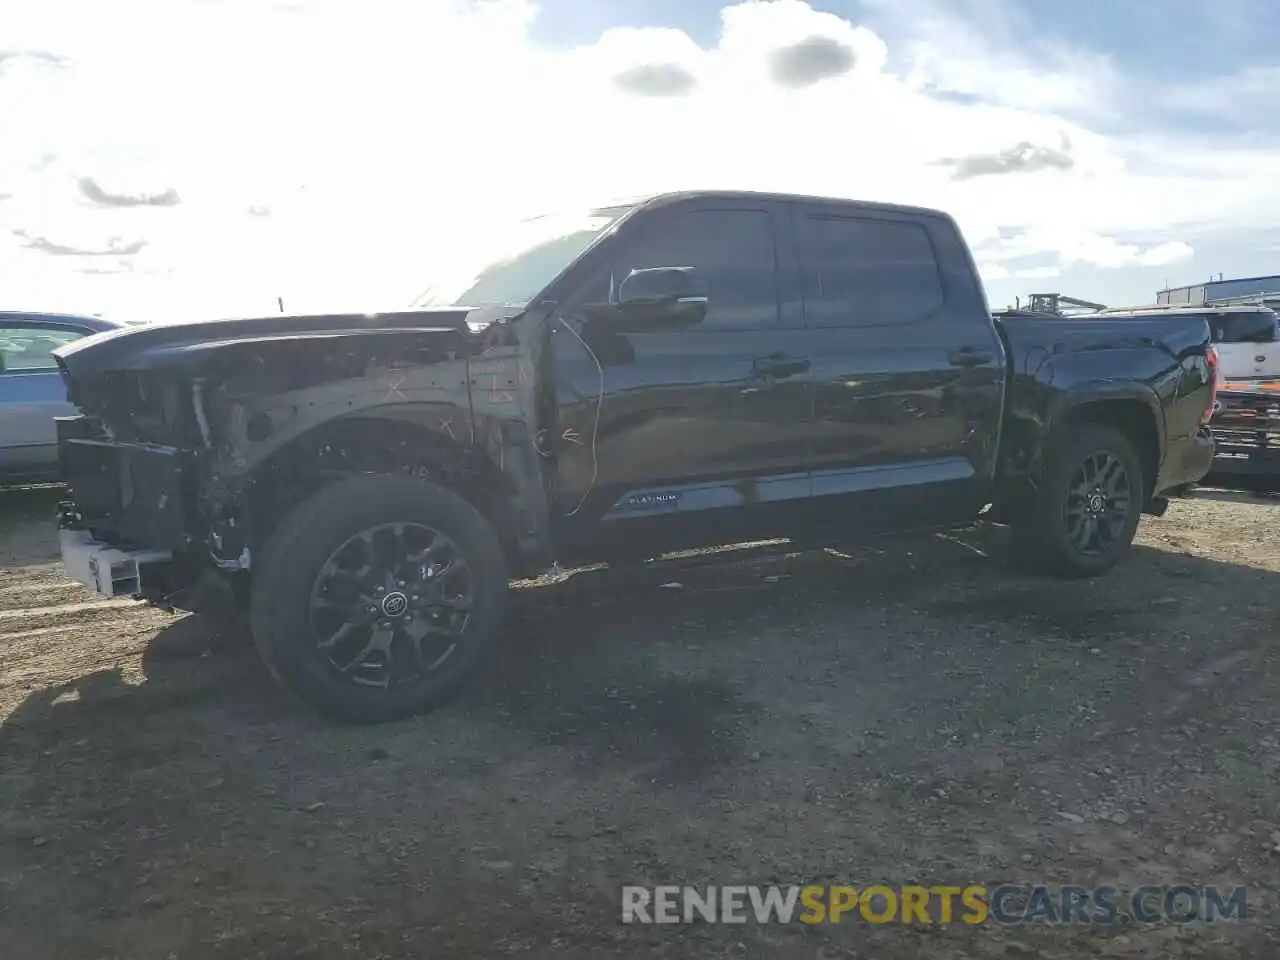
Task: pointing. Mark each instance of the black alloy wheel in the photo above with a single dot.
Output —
(1083, 512)
(378, 597)
(391, 603)
(1097, 503)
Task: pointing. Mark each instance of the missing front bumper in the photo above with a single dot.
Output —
(134, 492)
(112, 571)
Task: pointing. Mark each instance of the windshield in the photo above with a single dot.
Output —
(515, 264)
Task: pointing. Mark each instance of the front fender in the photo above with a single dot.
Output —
(254, 428)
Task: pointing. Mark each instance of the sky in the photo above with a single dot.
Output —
(190, 158)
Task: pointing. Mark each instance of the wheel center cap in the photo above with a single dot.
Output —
(395, 604)
(1096, 504)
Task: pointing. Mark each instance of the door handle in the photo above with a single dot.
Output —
(969, 357)
(778, 366)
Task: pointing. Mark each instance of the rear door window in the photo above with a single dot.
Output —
(863, 271)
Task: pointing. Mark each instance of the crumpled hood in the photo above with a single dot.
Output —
(143, 347)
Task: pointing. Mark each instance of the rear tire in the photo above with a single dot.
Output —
(1082, 519)
(342, 557)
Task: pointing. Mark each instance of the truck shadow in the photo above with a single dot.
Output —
(574, 663)
(596, 630)
(596, 671)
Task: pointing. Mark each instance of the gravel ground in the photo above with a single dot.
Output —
(912, 713)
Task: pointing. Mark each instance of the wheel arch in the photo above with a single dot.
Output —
(1131, 408)
(445, 450)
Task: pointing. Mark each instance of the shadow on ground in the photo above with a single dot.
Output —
(562, 677)
(686, 720)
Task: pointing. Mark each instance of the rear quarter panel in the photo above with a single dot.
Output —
(1061, 363)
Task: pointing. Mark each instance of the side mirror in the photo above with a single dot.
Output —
(661, 296)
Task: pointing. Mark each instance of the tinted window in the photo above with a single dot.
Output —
(868, 272)
(733, 252)
(28, 349)
(1243, 327)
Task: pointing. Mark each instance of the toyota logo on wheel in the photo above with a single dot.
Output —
(394, 605)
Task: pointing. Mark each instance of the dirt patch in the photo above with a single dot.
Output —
(1047, 609)
(907, 713)
(681, 728)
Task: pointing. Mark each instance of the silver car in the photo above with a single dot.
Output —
(32, 392)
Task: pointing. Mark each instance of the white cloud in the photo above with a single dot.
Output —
(1174, 251)
(383, 137)
(980, 48)
(1037, 273)
(1075, 246)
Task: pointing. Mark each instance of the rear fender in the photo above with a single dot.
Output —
(1031, 428)
(1071, 404)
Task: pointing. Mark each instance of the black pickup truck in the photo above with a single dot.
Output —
(691, 369)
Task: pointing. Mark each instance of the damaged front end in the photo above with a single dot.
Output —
(194, 439)
(126, 528)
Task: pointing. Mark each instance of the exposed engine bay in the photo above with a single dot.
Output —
(198, 443)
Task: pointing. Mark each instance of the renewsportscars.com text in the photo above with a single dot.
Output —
(973, 904)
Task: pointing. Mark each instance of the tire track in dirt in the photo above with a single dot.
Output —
(28, 593)
(50, 572)
(38, 586)
(56, 607)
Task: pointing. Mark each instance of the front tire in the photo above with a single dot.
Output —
(378, 597)
(1082, 519)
